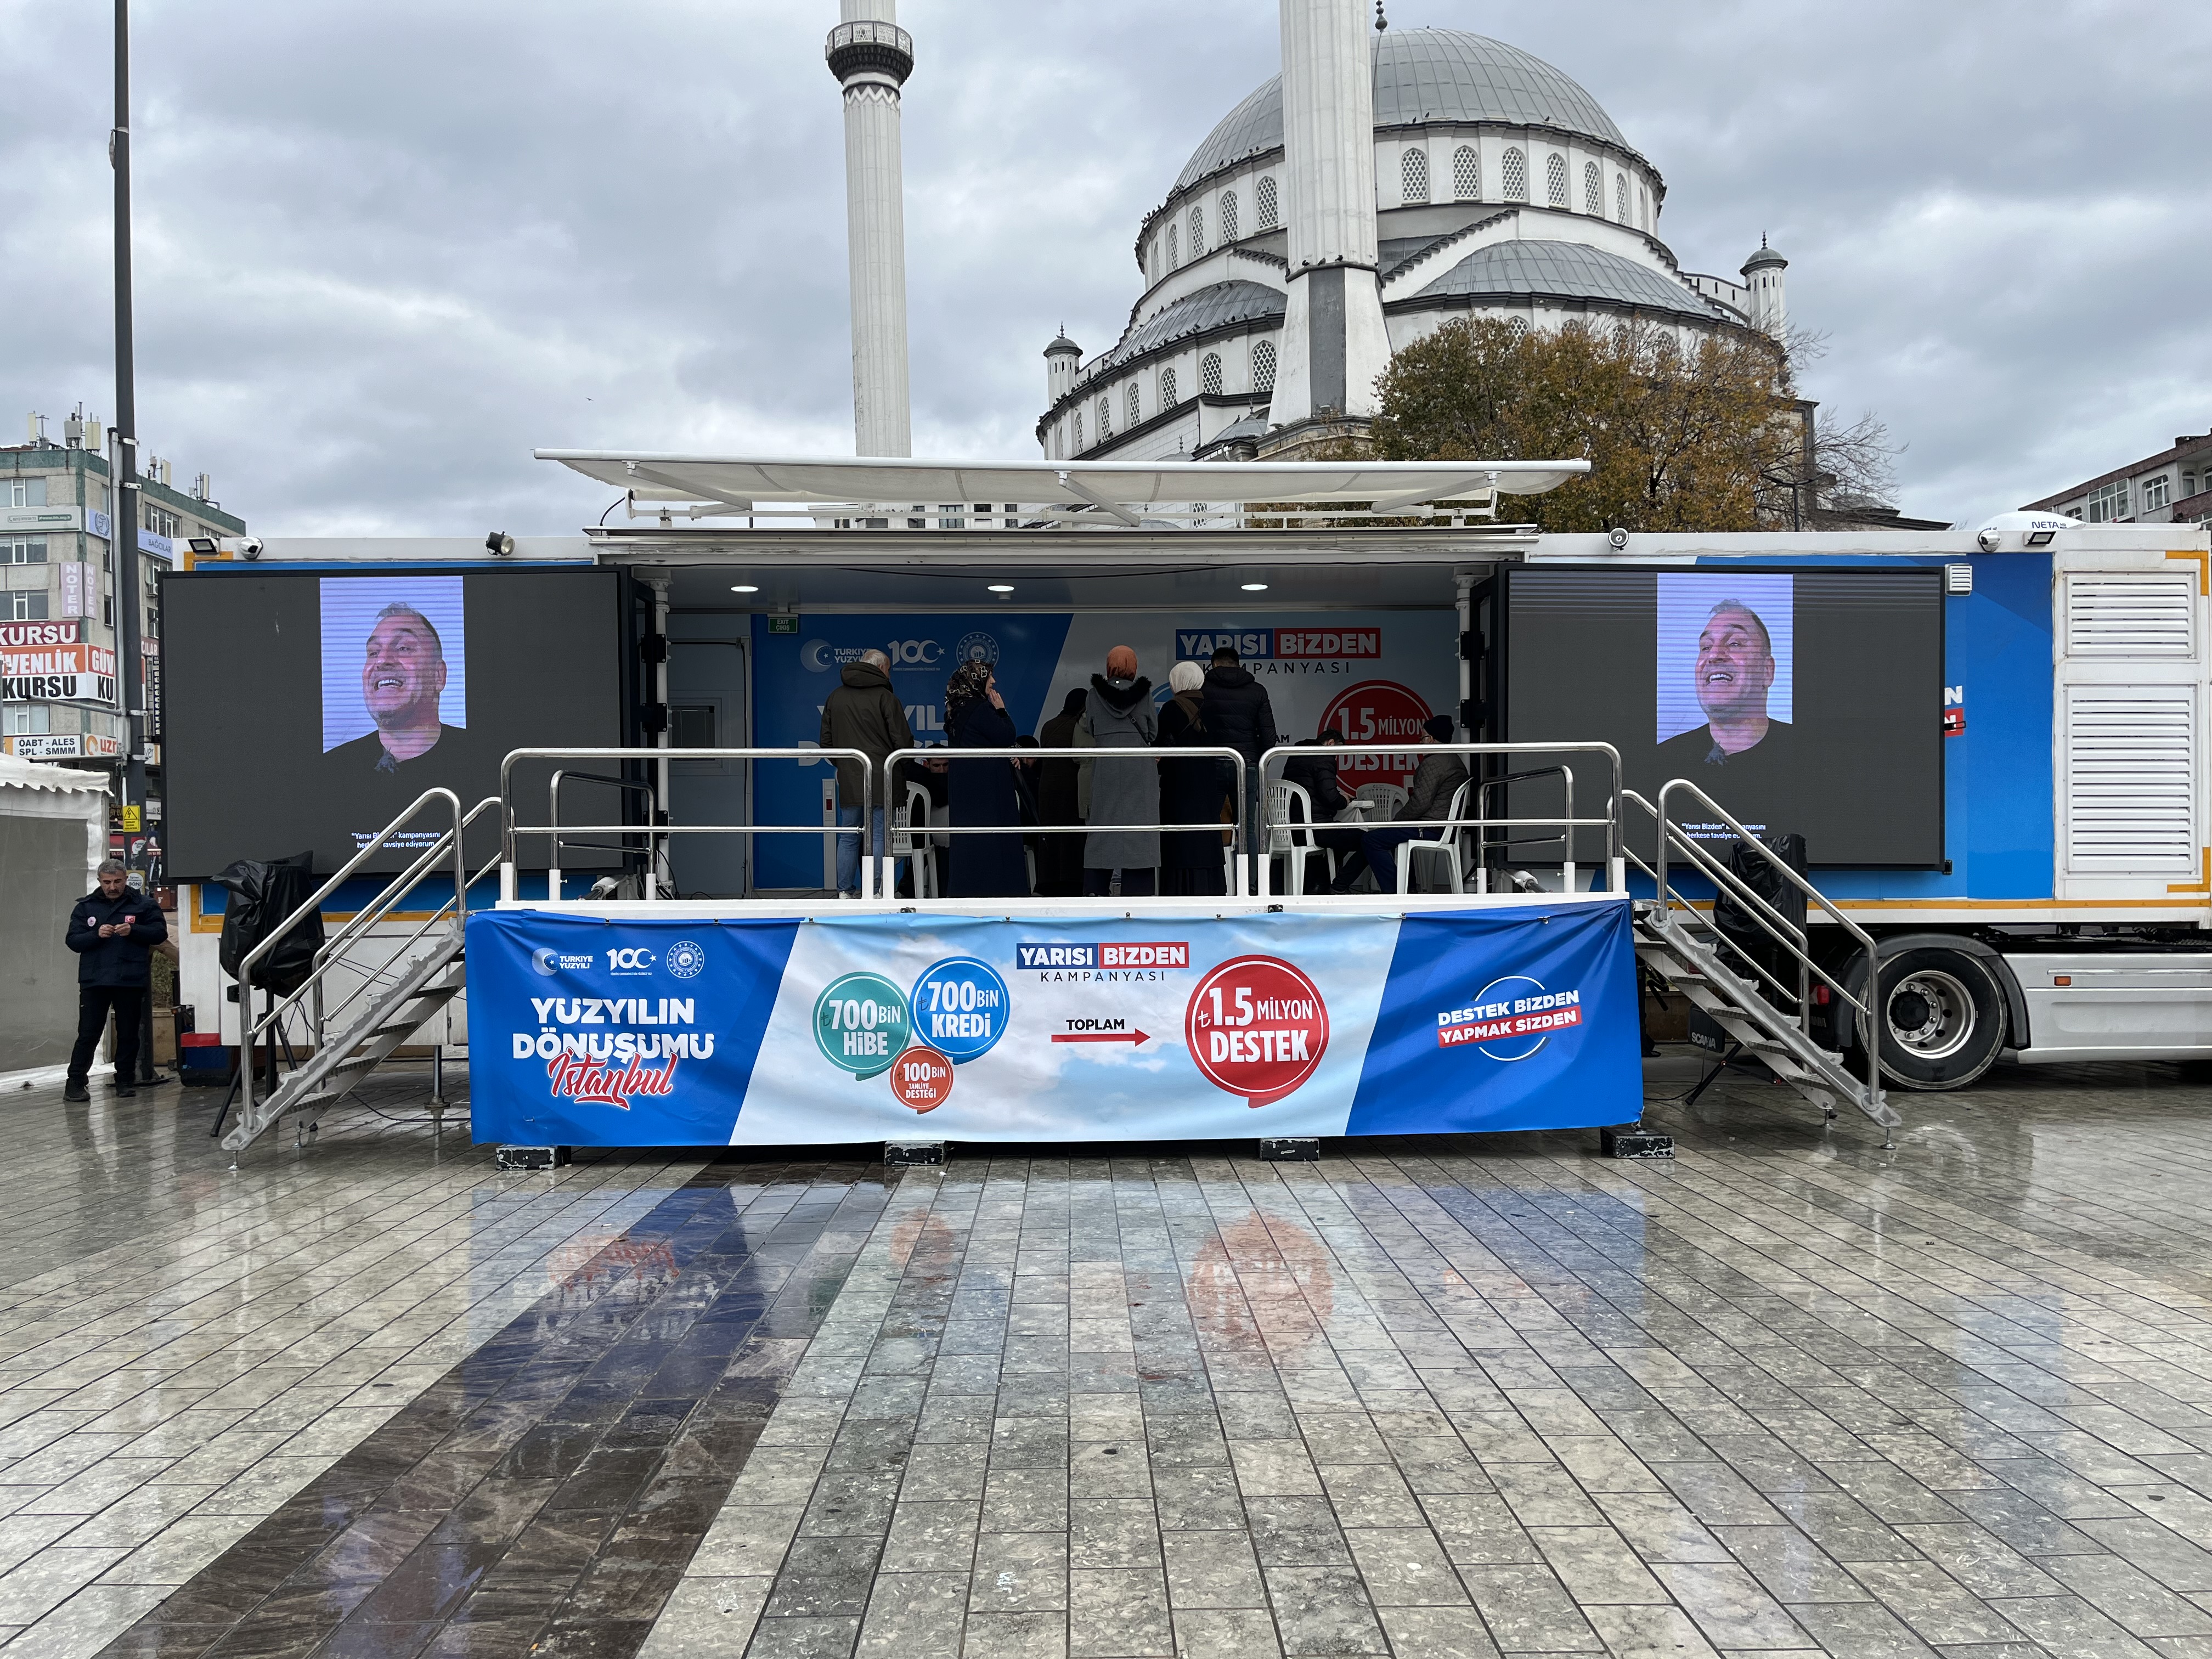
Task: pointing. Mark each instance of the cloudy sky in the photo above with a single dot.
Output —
(385, 250)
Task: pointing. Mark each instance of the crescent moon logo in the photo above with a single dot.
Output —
(815, 654)
(542, 961)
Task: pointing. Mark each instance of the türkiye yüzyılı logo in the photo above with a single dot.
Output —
(1510, 1018)
(608, 1049)
(1257, 1027)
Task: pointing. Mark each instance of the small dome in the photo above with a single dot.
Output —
(1767, 258)
(1424, 75)
(1063, 347)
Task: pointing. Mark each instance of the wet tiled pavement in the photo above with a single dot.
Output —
(1786, 1393)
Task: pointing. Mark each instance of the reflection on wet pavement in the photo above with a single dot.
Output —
(1787, 1393)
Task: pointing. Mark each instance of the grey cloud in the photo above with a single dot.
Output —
(383, 252)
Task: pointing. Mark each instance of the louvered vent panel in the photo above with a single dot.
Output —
(2131, 788)
(2130, 614)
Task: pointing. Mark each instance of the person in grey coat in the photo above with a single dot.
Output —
(1118, 715)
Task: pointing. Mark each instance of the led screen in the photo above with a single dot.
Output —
(1802, 702)
(305, 711)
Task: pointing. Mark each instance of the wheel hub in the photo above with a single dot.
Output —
(1930, 1014)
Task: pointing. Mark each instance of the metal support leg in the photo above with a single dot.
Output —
(1713, 1076)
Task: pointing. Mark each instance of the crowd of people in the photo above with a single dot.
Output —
(1116, 803)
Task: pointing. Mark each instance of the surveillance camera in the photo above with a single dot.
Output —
(498, 543)
(1987, 540)
(249, 547)
(1617, 537)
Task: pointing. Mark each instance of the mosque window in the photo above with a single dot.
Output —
(1516, 175)
(1075, 430)
(1518, 328)
(1227, 216)
(1136, 406)
(1414, 176)
(1467, 173)
(1644, 207)
(1265, 193)
(1621, 196)
(1209, 374)
(1174, 258)
(1168, 399)
(1105, 419)
(1263, 369)
(1197, 228)
(1592, 191)
(1555, 180)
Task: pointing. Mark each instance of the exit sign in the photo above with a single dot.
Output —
(783, 625)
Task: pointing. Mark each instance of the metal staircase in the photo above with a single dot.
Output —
(1763, 1016)
(350, 1032)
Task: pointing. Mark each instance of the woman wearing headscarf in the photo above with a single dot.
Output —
(1192, 791)
(983, 791)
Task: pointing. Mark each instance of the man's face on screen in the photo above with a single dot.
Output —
(403, 674)
(1734, 668)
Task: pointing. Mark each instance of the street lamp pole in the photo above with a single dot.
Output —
(123, 514)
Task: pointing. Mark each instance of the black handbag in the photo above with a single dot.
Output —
(263, 893)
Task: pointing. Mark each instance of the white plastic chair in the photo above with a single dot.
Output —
(1290, 835)
(1435, 843)
(905, 843)
(1389, 800)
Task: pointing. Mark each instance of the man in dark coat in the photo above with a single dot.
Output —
(1316, 774)
(1238, 714)
(114, 932)
(864, 714)
(1436, 780)
(1060, 859)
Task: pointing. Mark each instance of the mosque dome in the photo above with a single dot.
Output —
(1423, 76)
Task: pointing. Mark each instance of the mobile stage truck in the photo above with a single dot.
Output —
(609, 745)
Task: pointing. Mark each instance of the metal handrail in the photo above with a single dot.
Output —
(1178, 751)
(1722, 876)
(1616, 874)
(252, 1032)
(624, 785)
(1668, 832)
(806, 755)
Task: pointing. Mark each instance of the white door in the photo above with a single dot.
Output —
(2127, 732)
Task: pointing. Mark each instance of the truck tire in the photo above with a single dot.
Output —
(1942, 1017)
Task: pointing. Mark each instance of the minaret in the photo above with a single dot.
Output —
(1333, 341)
(1061, 358)
(872, 57)
(1762, 275)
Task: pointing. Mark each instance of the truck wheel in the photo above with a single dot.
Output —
(1941, 1016)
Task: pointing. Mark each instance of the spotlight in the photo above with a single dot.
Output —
(1256, 587)
(1002, 587)
(499, 544)
(744, 588)
(2040, 538)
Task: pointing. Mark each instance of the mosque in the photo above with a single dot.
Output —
(1501, 188)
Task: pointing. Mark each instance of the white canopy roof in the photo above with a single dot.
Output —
(741, 481)
(34, 775)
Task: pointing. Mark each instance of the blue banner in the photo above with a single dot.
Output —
(708, 1031)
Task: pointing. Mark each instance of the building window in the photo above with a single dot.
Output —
(1643, 208)
(29, 720)
(1167, 399)
(1209, 374)
(1075, 430)
(1555, 180)
(1197, 228)
(1228, 217)
(2156, 492)
(1174, 257)
(1414, 176)
(1518, 328)
(1467, 173)
(1621, 196)
(23, 550)
(1264, 192)
(26, 492)
(1105, 419)
(23, 607)
(1136, 404)
(160, 522)
(2106, 503)
(1592, 191)
(1516, 175)
(1263, 369)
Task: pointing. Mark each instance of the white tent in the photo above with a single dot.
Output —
(53, 835)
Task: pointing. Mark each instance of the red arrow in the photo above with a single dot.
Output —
(1102, 1037)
